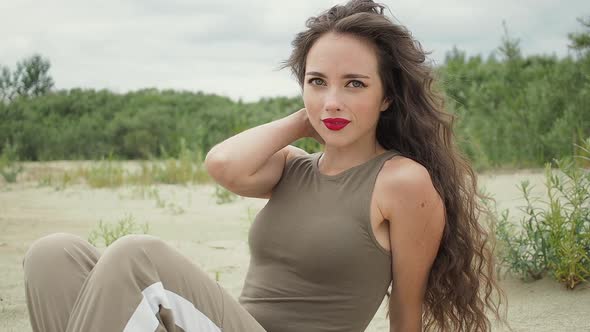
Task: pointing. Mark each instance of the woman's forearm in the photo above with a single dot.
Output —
(244, 153)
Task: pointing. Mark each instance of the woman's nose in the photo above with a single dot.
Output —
(333, 102)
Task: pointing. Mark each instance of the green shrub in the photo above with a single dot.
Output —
(105, 173)
(9, 166)
(554, 234)
(223, 195)
(106, 234)
(186, 168)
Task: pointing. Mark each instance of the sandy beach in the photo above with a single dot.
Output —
(214, 236)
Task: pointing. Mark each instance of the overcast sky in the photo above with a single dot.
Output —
(233, 47)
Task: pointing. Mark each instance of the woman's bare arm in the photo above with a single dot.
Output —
(250, 163)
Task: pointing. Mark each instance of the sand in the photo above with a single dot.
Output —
(215, 237)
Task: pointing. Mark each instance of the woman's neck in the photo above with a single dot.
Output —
(337, 159)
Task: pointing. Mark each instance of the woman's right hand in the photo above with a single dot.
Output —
(308, 129)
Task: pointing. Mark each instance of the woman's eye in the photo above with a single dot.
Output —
(359, 85)
(315, 79)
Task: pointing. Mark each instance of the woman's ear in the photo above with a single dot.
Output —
(385, 104)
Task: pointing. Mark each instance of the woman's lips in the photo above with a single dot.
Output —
(335, 123)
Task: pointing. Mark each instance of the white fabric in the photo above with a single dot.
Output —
(186, 316)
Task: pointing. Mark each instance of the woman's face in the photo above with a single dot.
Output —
(342, 81)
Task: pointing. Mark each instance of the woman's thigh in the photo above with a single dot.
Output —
(55, 268)
(141, 283)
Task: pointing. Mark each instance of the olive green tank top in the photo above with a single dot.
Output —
(315, 264)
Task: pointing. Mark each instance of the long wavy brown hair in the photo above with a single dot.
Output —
(462, 279)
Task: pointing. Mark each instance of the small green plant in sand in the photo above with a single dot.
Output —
(554, 234)
(175, 208)
(105, 173)
(65, 180)
(58, 180)
(150, 192)
(106, 234)
(186, 168)
(143, 192)
(223, 195)
(9, 165)
(45, 180)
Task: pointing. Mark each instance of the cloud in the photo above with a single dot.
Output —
(233, 47)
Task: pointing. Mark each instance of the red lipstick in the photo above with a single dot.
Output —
(335, 123)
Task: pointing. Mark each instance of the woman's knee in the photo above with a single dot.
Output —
(133, 247)
(133, 243)
(130, 255)
(48, 251)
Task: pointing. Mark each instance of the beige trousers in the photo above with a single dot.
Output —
(139, 283)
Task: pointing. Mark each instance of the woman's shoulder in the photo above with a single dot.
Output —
(403, 169)
(403, 179)
(408, 199)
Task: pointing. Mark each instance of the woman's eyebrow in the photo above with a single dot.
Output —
(315, 73)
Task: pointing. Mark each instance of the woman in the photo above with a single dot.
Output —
(388, 202)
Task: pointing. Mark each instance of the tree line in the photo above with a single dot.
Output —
(512, 111)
